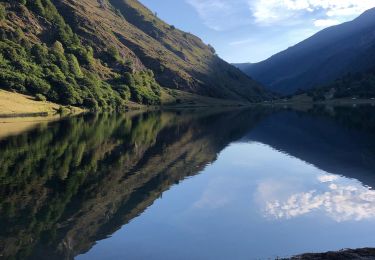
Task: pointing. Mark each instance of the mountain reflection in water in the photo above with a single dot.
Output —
(68, 184)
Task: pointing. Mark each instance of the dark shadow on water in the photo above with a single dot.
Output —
(337, 140)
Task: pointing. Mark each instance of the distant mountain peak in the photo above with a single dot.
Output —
(320, 59)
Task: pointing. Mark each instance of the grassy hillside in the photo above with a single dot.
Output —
(11, 103)
(14, 103)
(102, 54)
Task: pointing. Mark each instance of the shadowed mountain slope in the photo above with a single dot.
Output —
(320, 59)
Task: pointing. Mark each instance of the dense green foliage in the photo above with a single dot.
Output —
(108, 54)
(62, 69)
(357, 85)
(2, 12)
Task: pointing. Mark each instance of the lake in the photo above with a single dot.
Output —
(256, 183)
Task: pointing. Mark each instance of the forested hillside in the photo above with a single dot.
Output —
(352, 85)
(101, 54)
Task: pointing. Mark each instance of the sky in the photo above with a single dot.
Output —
(253, 30)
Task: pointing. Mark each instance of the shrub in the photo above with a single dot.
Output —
(12, 80)
(40, 53)
(74, 66)
(67, 94)
(58, 47)
(114, 54)
(129, 80)
(91, 103)
(124, 91)
(2, 12)
(3, 61)
(40, 97)
(36, 6)
(37, 85)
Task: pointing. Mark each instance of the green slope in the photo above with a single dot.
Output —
(103, 54)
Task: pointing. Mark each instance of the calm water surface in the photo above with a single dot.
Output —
(243, 184)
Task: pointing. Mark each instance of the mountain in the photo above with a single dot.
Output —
(243, 66)
(328, 55)
(102, 53)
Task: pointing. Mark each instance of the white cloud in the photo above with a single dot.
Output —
(228, 14)
(256, 29)
(340, 201)
(271, 11)
(327, 178)
(222, 14)
(325, 22)
(242, 42)
(213, 198)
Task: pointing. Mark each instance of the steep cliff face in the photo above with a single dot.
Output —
(103, 53)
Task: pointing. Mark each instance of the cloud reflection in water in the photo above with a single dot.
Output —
(338, 198)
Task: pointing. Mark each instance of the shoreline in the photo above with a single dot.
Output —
(20, 107)
(16, 105)
(363, 253)
(24, 115)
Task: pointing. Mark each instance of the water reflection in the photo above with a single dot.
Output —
(340, 200)
(335, 140)
(68, 184)
(65, 185)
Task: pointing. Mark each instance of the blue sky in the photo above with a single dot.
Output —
(253, 30)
